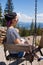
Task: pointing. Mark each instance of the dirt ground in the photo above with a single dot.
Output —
(3, 60)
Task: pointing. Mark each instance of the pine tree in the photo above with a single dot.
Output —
(39, 30)
(0, 11)
(32, 28)
(0, 14)
(23, 32)
(9, 7)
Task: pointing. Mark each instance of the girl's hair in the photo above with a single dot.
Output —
(9, 18)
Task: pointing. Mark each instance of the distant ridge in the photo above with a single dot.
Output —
(26, 25)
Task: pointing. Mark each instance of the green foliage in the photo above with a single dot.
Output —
(0, 11)
(38, 30)
(31, 31)
(0, 22)
(32, 28)
(23, 32)
(0, 15)
(9, 7)
(3, 22)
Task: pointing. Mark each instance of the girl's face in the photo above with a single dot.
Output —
(14, 21)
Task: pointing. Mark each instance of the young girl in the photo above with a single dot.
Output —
(12, 35)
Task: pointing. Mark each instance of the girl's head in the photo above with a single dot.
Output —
(11, 19)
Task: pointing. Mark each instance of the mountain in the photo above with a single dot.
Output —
(26, 25)
(41, 25)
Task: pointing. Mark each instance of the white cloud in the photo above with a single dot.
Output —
(40, 15)
(25, 18)
(40, 19)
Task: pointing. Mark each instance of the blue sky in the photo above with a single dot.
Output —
(26, 9)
